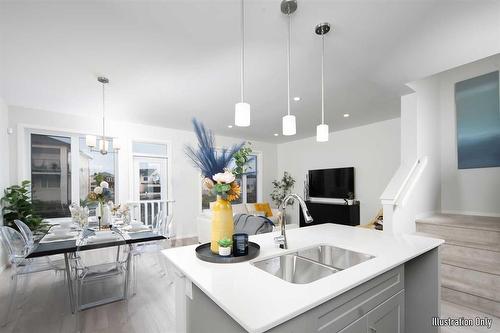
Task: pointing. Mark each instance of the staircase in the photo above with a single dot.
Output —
(470, 269)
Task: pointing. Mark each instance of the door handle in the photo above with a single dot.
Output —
(373, 329)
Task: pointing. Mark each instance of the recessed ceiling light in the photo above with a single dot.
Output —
(276, 134)
(229, 126)
(346, 115)
(297, 98)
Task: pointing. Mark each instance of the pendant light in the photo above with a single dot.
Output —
(322, 131)
(288, 7)
(102, 144)
(242, 109)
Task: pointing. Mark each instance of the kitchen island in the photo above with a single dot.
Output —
(395, 290)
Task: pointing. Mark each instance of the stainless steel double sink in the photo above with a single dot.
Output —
(311, 264)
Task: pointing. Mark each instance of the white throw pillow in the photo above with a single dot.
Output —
(240, 209)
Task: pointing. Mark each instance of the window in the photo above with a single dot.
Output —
(248, 183)
(51, 174)
(64, 170)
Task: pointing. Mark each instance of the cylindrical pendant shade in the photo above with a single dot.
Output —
(242, 114)
(117, 144)
(91, 141)
(103, 146)
(322, 133)
(289, 127)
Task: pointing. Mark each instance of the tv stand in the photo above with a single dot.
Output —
(323, 212)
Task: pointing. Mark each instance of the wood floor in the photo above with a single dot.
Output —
(44, 306)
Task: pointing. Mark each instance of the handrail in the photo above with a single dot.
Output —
(405, 181)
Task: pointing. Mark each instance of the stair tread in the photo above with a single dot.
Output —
(495, 247)
(489, 223)
(477, 266)
(477, 303)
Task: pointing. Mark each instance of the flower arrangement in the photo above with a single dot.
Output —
(224, 185)
(214, 164)
(100, 193)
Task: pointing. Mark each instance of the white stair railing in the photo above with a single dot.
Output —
(399, 189)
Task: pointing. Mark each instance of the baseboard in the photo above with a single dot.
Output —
(186, 236)
(426, 214)
(465, 212)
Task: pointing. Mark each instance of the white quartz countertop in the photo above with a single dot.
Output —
(259, 301)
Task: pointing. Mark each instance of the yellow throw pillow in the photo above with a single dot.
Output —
(264, 207)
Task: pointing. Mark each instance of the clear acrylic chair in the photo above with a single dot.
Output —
(101, 268)
(161, 226)
(17, 250)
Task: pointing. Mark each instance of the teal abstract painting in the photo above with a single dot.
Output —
(477, 102)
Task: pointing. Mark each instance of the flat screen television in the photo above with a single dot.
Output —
(332, 183)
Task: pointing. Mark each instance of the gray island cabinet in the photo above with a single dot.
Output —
(396, 294)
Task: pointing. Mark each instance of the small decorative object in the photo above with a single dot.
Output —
(240, 244)
(218, 179)
(79, 215)
(17, 205)
(124, 211)
(225, 247)
(282, 188)
(478, 121)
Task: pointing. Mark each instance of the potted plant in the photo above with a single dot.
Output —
(18, 206)
(225, 247)
(282, 188)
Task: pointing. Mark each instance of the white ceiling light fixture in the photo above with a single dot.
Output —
(297, 99)
(288, 7)
(103, 143)
(346, 115)
(242, 109)
(322, 131)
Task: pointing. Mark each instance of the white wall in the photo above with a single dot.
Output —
(374, 151)
(470, 191)
(420, 140)
(4, 163)
(185, 178)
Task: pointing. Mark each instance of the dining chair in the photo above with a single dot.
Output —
(161, 225)
(17, 250)
(97, 264)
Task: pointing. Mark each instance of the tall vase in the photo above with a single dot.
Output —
(222, 223)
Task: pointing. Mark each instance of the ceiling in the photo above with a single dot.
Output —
(169, 61)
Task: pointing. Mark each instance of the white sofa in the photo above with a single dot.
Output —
(204, 220)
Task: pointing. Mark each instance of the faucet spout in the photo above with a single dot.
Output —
(281, 240)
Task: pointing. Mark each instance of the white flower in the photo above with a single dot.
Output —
(227, 177)
(104, 184)
(98, 190)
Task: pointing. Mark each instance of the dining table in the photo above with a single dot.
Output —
(69, 247)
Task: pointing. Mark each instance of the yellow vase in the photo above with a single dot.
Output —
(222, 223)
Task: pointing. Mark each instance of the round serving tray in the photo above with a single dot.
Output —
(204, 253)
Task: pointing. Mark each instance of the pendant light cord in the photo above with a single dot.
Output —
(323, 79)
(289, 57)
(103, 112)
(242, 51)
